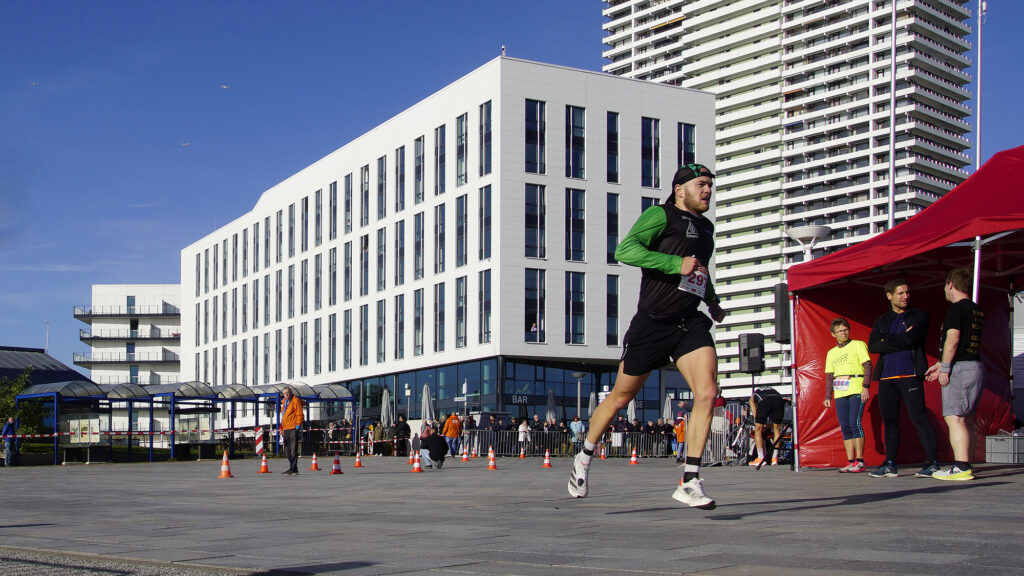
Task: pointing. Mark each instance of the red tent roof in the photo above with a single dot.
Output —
(990, 201)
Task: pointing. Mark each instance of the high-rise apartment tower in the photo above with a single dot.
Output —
(813, 114)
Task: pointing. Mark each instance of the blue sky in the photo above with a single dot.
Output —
(128, 130)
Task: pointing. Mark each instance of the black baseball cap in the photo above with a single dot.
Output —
(688, 172)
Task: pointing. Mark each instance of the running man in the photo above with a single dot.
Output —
(672, 243)
(960, 372)
(767, 404)
(848, 377)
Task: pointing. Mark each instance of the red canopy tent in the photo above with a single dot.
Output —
(980, 225)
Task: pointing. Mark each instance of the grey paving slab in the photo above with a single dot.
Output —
(382, 519)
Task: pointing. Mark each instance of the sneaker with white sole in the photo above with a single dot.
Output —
(578, 487)
(692, 494)
(955, 474)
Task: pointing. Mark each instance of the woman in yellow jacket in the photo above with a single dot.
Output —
(291, 419)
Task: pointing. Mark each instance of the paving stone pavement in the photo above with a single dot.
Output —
(464, 519)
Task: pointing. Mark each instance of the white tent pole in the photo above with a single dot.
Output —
(977, 269)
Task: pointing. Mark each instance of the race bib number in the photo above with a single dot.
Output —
(841, 384)
(696, 283)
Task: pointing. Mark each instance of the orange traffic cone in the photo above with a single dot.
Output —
(312, 466)
(490, 451)
(490, 461)
(473, 454)
(522, 453)
(336, 467)
(416, 464)
(465, 454)
(547, 459)
(264, 469)
(603, 457)
(632, 459)
(359, 462)
(410, 456)
(225, 467)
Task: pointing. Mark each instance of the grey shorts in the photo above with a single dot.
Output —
(960, 397)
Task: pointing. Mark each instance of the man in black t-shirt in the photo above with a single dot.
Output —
(960, 372)
(767, 404)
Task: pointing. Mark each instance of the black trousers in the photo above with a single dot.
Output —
(908, 391)
(291, 448)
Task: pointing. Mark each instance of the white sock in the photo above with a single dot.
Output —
(760, 453)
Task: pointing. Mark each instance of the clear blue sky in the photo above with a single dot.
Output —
(128, 130)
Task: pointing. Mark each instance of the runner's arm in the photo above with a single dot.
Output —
(635, 247)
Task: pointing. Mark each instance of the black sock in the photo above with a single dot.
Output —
(850, 461)
(588, 452)
(691, 468)
(962, 465)
(861, 460)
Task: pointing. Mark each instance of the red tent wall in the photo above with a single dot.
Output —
(821, 443)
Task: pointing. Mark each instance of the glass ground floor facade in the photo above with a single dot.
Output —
(518, 386)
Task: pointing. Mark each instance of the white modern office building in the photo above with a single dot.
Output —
(467, 241)
(134, 333)
(816, 124)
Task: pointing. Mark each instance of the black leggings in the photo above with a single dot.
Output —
(911, 392)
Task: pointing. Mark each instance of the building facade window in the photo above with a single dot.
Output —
(245, 253)
(364, 195)
(534, 304)
(484, 222)
(485, 138)
(304, 224)
(234, 258)
(256, 247)
(291, 230)
(278, 355)
(535, 221)
(382, 176)
(575, 214)
(318, 281)
(646, 202)
(255, 303)
(399, 326)
(650, 152)
(364, 264)
(216, 265)
(346, 339)
(380, 331)
(575, 142)
(332, 342)
(439, 160)
(364, 336)
(291, 291)
(687, 144)
(417, 248)
(438, 238)
(291, 352)
(612, 227)
(460, 312)
(381, 257)
(612, 139)
(612, 312)
(332, 212)
(348, 203)
(304, 287)
(279, 248)
(332, 279)
(266, 242)
(317, 219)
(461, 149)
(399, 179)
(316, 346)
(347, 276)
(417, 322)
(535, 137)
(575, 315)
(417, 186)
(439, 317)
(266, 299)
(461, 206)
(484, 306)
(279, 296)
(400, 253)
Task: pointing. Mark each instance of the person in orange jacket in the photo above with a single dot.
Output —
(291, 420)
(453, 433)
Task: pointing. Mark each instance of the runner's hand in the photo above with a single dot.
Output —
(717, 313)
(690, 264)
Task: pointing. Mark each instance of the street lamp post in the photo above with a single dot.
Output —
(579, 379)
(408, 404)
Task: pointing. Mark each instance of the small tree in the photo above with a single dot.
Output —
(29, 414)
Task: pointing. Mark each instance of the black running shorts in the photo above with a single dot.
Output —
(773, 407)
(650, 345)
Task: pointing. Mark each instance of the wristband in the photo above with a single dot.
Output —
(944, 367)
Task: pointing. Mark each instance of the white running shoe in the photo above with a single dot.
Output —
(578, 478)
(692, 494)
